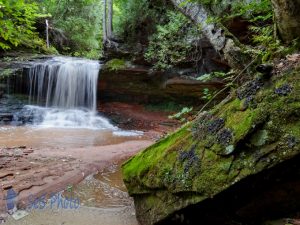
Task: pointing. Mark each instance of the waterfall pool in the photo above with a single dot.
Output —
(38, 126)
(51, 137)
(67, 141)
(60, 108)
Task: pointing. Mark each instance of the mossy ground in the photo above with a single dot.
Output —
(197, 160)
(115, 64)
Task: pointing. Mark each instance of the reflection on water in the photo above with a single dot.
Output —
(103, 190)
(65, 116)
(39, 137)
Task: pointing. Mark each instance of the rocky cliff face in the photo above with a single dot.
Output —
(237, 162)
(141, 85)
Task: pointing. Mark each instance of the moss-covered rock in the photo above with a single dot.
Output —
(115, 64)
(217, 150)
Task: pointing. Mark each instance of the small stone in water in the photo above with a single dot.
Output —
(20, 214)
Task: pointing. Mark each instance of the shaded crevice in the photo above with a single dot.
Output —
(271, 194)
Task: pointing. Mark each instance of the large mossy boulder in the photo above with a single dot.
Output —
(235, 146)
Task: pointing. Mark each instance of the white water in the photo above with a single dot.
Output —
(65, 90)
(64, 82)
(44, 117)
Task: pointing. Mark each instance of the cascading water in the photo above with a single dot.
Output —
(62, 93)
(66, 83)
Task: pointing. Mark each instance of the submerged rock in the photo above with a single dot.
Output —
(229, 166)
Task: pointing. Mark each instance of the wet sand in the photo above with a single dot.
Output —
(82, 216)
(35, 172)
(103, 201)
(51, 160)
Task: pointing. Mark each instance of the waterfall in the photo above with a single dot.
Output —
(63, 94)
(63, 82)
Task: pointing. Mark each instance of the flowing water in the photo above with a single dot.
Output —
(66, 90)
(104, 189)
(60, 112)
(61, 108)
(64, 82)
(103, 200)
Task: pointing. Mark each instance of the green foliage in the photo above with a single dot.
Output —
(207, 95)
(260, 14)
(115, 64)
(262, 34)
(6, 73)
(209, 76)
(80, 21)
(17, 19)
(270, 47)
(180, 115)
(92, 54)
(255, 11)
(170, 44)
(129, 15)
(266, 43)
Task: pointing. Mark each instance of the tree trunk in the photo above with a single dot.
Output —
(110, 19)
(104, 22)
(287, 18)
(223, 41)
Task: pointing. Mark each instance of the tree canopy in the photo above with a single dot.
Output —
(17, 20)
(161, 29)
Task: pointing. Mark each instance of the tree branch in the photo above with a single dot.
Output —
(220, 38)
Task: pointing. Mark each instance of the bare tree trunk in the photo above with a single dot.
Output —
(110, 19)
(104, 22)
(287, 18)
(47, 33)
(223, 41)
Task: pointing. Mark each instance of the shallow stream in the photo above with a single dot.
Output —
(60, 112)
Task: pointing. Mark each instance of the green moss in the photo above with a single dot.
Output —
(215, 175)
(115, 64)
(243, 122)
(293, 129)
(146, 159)
(229, 108)
(195, 163)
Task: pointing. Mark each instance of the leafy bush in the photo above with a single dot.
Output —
(259, 14)
(17, 19)
(210, 76)
(255, 11)
(170, 44)
(131, 16)
(208, 94)
(115, 64)
(80, 21)
(181, 115)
